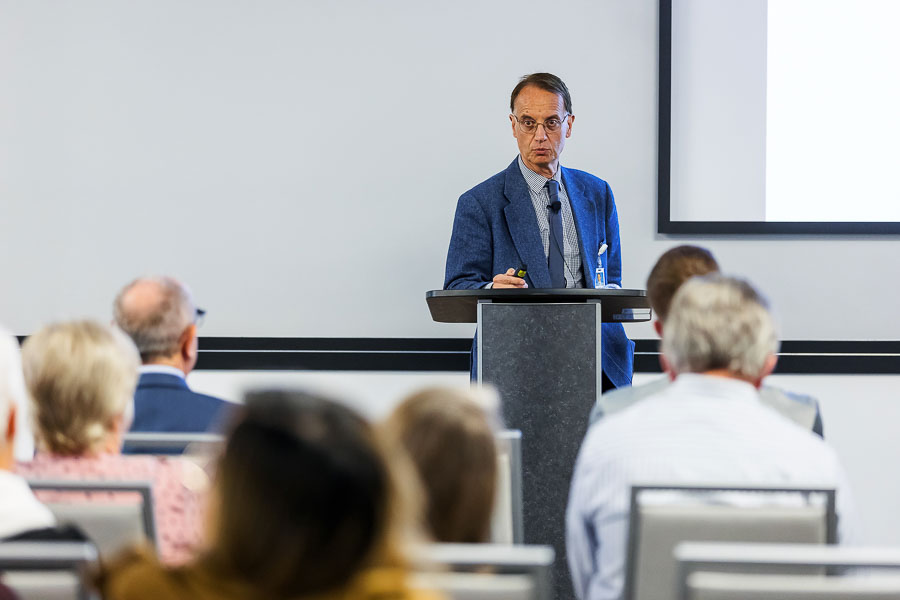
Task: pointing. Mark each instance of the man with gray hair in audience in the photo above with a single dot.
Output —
(706, 428)
(160, 316)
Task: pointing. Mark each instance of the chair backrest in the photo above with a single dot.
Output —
(478, 586)
(793, 560)
(111, 526)
(506, 523)
(755, 586)
(533, 562)
(47, 570)
(664, 515)
(160, 442)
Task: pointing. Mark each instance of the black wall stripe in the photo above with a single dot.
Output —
(452, 354)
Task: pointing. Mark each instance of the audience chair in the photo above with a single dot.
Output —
(717, 570)
(506, 522)
(533, 564)
(111, 526)
(159, 442)
(48, 570)
(663, 515)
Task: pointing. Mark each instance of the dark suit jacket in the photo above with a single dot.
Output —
(496, 229)
(164, 402)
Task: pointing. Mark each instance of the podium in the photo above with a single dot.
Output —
(541, 349)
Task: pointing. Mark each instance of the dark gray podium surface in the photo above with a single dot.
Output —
(541, 350)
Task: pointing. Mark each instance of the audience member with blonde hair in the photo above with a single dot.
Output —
(305, 506)
(20, 511)
(80, 377)
(450, 441)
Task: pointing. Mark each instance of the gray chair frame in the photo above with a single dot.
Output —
(169, 441)
(535, 561)
(77, 557)
(635, 525)
(721, 556)
(144, 488)
(512, 439)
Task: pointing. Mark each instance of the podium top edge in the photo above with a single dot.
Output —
(536, 293)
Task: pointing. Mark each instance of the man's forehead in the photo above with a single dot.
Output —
(535, 101)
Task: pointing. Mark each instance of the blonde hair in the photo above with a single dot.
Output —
(80, 376)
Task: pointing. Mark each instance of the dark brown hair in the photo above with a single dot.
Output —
(545, 81)
(452, 446)
(672, 269)
(304, 495)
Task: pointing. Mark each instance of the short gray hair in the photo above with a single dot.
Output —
(154, 312)
(718, 322)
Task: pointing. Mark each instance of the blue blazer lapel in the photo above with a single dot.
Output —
(585, 216)
(523, 227)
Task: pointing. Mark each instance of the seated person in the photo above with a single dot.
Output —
(672, 269)
(159, 315)
(305, 506)
(20, 511)
(452, 446)
(80, 377)
(706, 428)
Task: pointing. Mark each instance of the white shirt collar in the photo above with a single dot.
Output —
(161, 370)
(700, 385)
(535, 180)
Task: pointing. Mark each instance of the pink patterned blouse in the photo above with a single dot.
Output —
(177, 489)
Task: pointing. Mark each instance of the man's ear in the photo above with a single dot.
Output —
(658, 326)
(768, 369)
(11, 425)
(188, 339)
(666, 367)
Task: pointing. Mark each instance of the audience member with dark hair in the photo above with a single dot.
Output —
(304, 506)
(80, 376)
(673, 268)
(450, 441)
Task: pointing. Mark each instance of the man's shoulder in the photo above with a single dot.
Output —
(586, 179)
(619, 399)
(492, 186)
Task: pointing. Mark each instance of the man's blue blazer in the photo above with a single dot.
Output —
(164, 402)
(495, 229)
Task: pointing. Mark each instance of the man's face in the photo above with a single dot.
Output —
(540, 149)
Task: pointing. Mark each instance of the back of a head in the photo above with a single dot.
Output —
(450, 441)
(154, 312)
(81, 377)
(304, 494)
(672, 269)
(719, 323)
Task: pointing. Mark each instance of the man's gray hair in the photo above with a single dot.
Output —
(718, 322)
(154, 312)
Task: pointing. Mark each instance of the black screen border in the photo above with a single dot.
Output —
(664, 222)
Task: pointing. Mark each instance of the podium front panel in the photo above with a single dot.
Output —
(544, 359)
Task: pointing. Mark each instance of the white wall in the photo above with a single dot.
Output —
(299, 163)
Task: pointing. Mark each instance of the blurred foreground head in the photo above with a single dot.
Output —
(81, 377)
(446, 433)
(304, 497)
(720, 324)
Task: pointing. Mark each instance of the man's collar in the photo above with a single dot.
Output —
(161, 370)
(535, 180)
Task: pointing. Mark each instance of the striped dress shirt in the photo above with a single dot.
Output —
(540, 198)
(701, 430)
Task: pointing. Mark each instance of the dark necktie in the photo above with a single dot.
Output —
(555, 257)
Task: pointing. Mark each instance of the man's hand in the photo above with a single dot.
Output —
(508, 280)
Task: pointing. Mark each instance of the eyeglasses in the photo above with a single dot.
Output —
(199, 313)
(529, 125)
